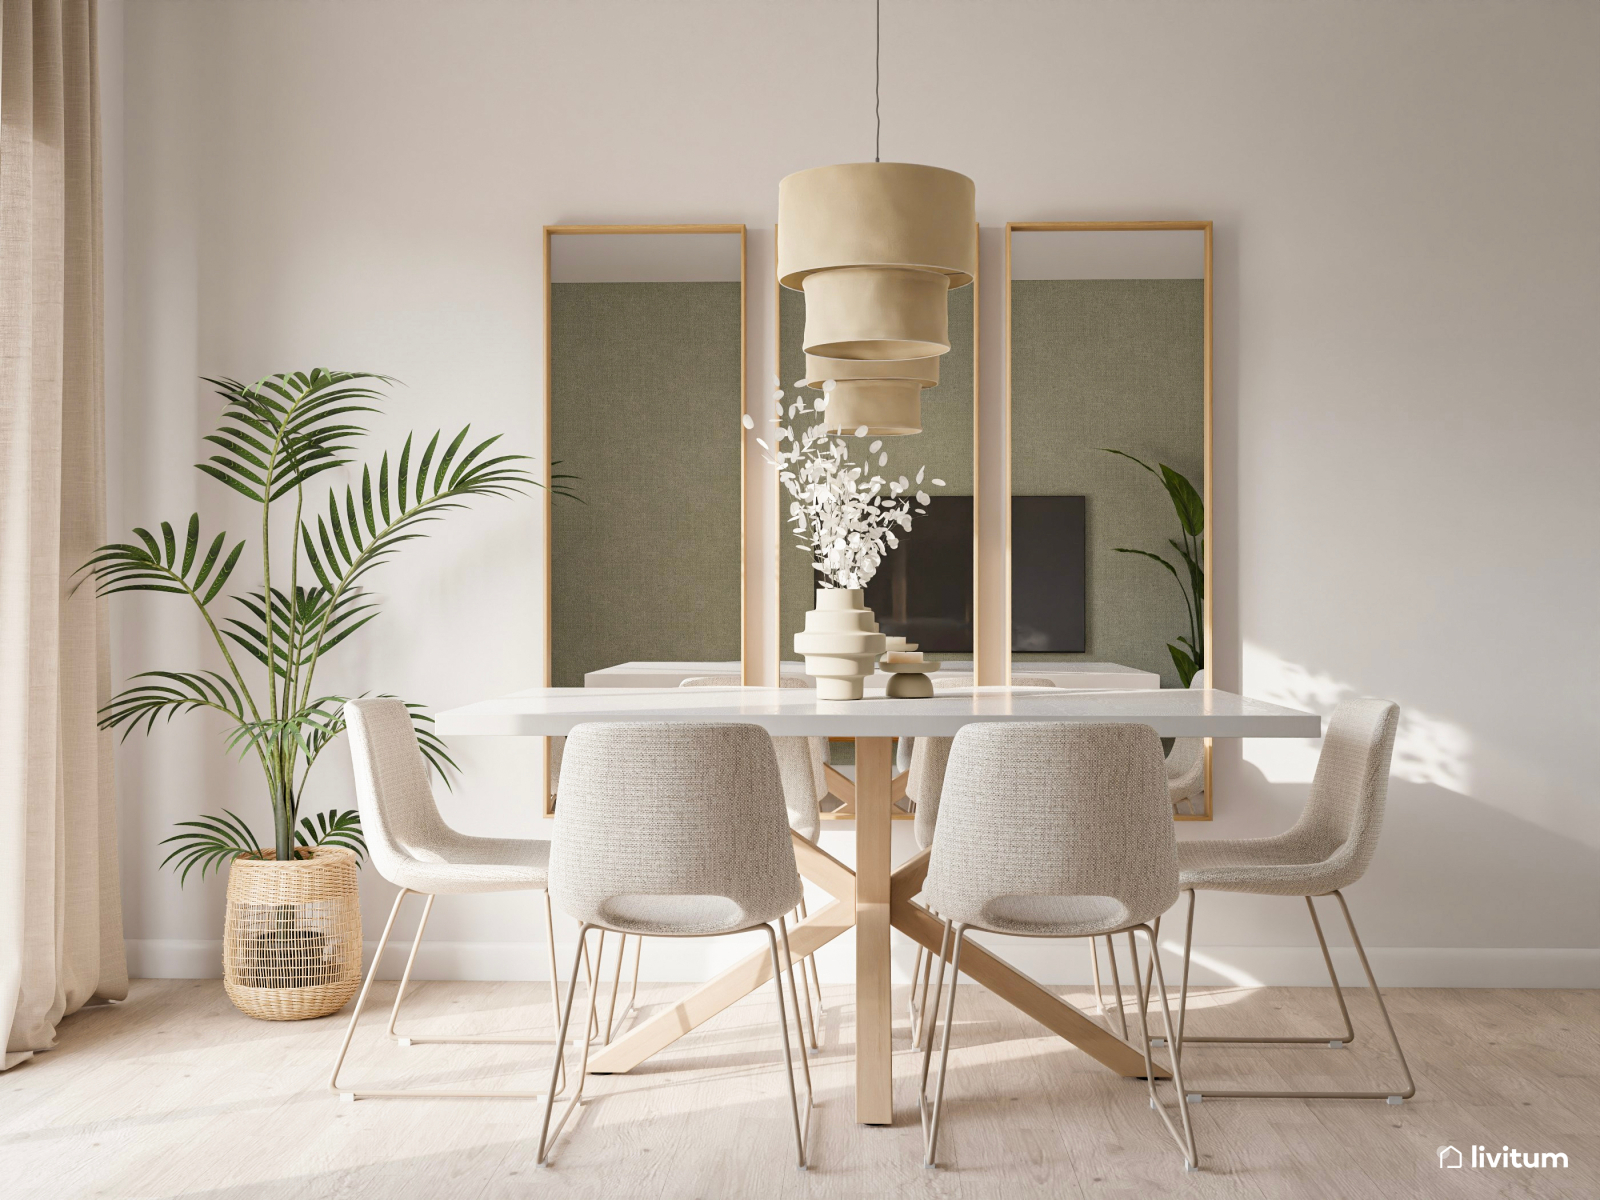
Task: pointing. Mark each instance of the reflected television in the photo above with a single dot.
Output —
(923, 589)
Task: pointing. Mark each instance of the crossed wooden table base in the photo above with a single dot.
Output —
(870, 899)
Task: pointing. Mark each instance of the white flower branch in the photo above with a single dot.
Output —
(847, 517)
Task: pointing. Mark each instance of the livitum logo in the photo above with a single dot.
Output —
(1482, 1156)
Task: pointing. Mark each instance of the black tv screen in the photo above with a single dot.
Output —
(923, 589)
(1049, 581)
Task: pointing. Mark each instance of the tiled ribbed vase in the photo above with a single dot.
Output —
(841, 643)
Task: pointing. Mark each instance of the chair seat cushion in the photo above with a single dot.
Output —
(460, 863)
(1055, 916)
(1275, 866)
(668, 915)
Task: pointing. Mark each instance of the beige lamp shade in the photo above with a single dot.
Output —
(876, 248)
(883, 407)
(885, 395)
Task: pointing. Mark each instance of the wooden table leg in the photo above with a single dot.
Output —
(739, 980)
(874, 1019)
(1011, 985)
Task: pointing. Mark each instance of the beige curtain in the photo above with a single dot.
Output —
(60, 912)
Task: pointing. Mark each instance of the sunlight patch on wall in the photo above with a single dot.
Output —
(1427, 749)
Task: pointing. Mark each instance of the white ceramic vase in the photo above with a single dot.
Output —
(841, 643)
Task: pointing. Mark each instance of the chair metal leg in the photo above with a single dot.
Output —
(802, 1130)
(931, 1126)
(919, 1003)
(405, 976)
(911, 998)
(926, 1038)
(1094, 962)
(1184, 1139)
(547, 1136)
(802, 1017)
(780, 968)
(361, 999)
(633, 992)
(616, 986)
(1392, 1096)
(414, 1039)
(932, 1006)
(811, 961)
(1116, 982)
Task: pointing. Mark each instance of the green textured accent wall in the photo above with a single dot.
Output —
(645, 407)
(944, 446)
(1118, 363)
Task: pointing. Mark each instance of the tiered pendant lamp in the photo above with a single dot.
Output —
(876, 247)
(882, 397)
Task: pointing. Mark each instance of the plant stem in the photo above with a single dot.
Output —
(283, 830)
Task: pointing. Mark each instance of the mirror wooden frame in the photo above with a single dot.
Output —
(547, 522)
(1206, 490)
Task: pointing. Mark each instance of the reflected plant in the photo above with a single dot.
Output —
(275, 436)
(847, 516)
(1188, 653)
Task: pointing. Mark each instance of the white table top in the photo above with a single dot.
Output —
(1072, 674)
(1173, 712)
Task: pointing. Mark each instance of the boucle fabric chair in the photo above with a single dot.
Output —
(925, 777)
(1327, 850)
(411, 846)
(673, 830)
(1186, 763)
(800, 762)
(1049, 829)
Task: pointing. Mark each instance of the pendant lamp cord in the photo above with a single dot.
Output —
(877, 79)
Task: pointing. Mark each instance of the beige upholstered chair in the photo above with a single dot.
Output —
(800, 762)
(674, 830)
(1326, 851)
(1049, 829)
(925, 776)
(411, 846)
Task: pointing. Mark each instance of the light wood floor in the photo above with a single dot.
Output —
(173, 1093)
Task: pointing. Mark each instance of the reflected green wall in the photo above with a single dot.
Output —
(1118, 363)
(944, 446)
(644, 407)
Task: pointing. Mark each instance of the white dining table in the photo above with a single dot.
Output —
(875, 896)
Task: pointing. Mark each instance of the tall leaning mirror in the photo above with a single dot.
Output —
(1109, 396)
(644, 379)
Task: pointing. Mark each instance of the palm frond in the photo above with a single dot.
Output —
(333, 828)
(559, 485)
(285, 429)
(352, 539)
(211, 842)
(157, 566)
(167, 693)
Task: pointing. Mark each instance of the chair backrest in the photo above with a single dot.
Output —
(1054, 809)
(653, 809)
(800, 761)
(1344, 811)
(925, 775)
(399, 819)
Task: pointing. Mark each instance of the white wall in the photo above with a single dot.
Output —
(1407, 286)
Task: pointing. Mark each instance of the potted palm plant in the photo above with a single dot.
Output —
(292, 938)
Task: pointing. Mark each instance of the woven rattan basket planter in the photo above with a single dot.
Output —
(291, 945)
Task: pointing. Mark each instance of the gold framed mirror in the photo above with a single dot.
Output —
(1108, 458)
(645, 356)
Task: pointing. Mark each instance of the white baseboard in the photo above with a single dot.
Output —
(1053, 963)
